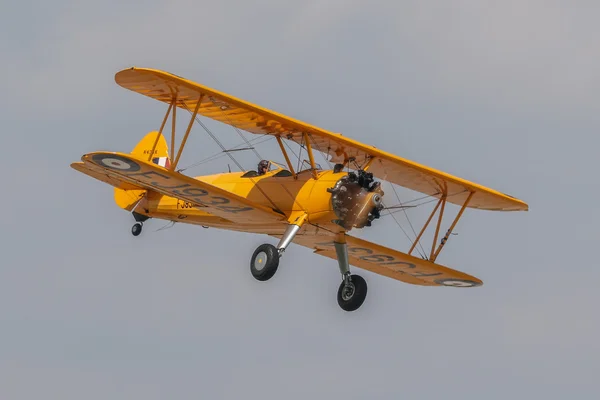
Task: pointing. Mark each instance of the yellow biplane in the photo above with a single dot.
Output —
(312, 207)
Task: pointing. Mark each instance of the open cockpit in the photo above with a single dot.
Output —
(276, 170)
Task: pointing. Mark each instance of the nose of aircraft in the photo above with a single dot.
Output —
(355, 202)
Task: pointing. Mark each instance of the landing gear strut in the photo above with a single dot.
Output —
(136, 229)
(353, 289)
(265, 260)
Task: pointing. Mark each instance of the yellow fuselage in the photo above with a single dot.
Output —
(286, 194)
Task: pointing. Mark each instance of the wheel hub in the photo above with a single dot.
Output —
(348, 291)
(260, 261)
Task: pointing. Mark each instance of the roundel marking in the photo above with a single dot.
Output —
(115, 162)
(457, 282)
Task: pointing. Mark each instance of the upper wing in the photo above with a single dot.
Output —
(120, 167)
(389, 262)
(222, 107)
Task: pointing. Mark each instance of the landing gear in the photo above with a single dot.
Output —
(352, 292)
(139, 218)
(264, 262)
(353, 289)
(136, 229)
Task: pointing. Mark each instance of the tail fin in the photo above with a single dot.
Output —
(127, 199)
(160, 156)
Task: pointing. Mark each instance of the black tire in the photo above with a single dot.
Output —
(264, 262)
(352, 301)
(136, 229)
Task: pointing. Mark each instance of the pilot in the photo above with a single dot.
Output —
(263, 167)
(338, 168)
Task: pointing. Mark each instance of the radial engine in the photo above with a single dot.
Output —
(356, 200)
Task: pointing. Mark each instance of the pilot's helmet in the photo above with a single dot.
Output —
(263, 164)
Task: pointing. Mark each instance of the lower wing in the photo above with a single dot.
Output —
(98, 173)
(389, 262)
(119, 169)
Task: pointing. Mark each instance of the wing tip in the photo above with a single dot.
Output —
(461, 283)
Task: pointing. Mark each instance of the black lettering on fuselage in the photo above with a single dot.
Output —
(187, 191)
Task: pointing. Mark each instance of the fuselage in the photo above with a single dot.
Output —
(278, 190)
(282, 192)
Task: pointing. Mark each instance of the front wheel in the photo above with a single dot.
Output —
(352, 293)
(264, 262)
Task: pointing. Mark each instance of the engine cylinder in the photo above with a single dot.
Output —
(356, 200)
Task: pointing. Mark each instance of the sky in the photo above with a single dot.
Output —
(505, 94)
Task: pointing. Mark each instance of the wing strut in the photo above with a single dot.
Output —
(449, 231)
(285, 154)
(435, 251)
(160, 131)
(173, 119)
(310, 155)
(442, 199)
(437, 229)
(366, 167)
(172, 111)
(187, 133)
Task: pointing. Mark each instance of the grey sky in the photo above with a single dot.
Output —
(505, 94)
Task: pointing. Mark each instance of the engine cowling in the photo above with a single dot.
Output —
(356, 200)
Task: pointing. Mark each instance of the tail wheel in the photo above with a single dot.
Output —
(352, 293)
(136, 229)
(264, 262)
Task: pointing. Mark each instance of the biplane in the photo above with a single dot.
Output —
(312, 207)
